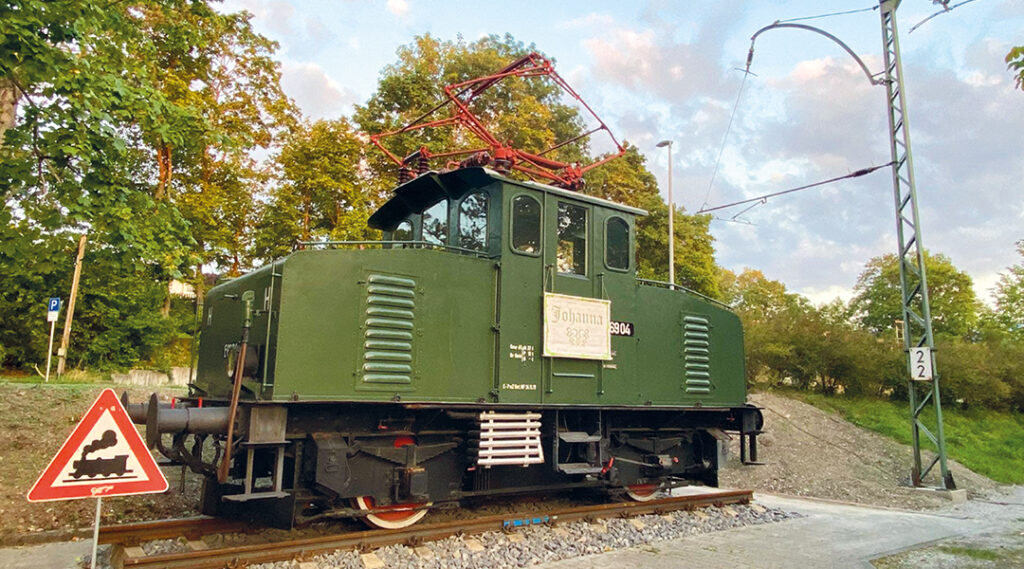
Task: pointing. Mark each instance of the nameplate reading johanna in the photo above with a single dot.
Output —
(577, 327)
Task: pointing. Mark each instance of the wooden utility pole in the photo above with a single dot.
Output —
(62, 351)
(8, 106)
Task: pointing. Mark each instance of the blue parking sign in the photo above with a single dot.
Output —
(53, 305)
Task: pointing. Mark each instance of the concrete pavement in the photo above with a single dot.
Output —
(829, 536)
(63, 555)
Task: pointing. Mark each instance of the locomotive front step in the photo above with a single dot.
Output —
(579, 468)
(578, 437)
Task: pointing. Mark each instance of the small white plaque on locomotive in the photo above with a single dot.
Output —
(622, 328)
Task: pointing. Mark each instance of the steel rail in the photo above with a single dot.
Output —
(126, 557)
(193, 528)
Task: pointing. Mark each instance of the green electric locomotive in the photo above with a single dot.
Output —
(496, 341)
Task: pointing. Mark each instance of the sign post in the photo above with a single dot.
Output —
(103, 456)
(52, 310)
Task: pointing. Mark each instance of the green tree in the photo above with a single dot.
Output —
(111, 99)
(528, 112)
(763, 298)
(768, 313)
(322, 194)
(877, 301)
(1015, 63)
(72, 160)
(215, 64)
(1009, 299)
(789, 341)
(972, 374)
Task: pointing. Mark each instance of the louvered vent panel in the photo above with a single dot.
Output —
(390, 319)
(697, 354)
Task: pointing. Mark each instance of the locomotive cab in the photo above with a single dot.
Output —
(544, 241)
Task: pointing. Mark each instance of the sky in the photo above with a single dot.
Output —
(656, 70)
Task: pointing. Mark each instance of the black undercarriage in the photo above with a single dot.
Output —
(298, 462)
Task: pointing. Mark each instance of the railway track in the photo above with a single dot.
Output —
(129, 555)
(190, 528)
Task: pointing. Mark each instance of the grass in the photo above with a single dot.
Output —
(75, 376)
(973, 553)
(988, 442)
(960, 553)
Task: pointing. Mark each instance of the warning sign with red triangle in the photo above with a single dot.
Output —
(104, 456)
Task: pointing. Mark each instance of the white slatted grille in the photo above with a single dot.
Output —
(509, 439)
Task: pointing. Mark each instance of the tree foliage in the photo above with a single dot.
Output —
(322, 194)
(527, 112)
(877, 303)
(1009, 299)
(1015, 63)
(111, 100)
(791, 342)
(218, 66)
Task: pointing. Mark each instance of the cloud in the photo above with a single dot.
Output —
(648, 61)
(316, 93)
(965, 129)
(823, 295)
(276, 15)
(398, 7)
(627, 57)
(830, 110)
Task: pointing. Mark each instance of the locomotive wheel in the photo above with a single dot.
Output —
(643, 492)
(396, 516)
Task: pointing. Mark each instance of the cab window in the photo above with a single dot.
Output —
(403, 232)
(572, 239)
(617, 244)
(435, 223)
(526, 225)
(473, 222)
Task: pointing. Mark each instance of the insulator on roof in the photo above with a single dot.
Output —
(476, 160)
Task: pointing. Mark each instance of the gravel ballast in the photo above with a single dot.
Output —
(539, 544)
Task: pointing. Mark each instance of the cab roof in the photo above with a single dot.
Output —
(420, 193)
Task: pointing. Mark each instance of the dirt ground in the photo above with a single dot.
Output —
(34, 421)
(808, 453)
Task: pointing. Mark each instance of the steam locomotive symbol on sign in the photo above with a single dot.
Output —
(116, 466)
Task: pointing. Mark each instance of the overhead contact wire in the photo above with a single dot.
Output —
(947, 8)
(725, 137)
(766, 197)
(872, 8)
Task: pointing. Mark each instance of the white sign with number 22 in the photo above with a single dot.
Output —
(921, 364)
